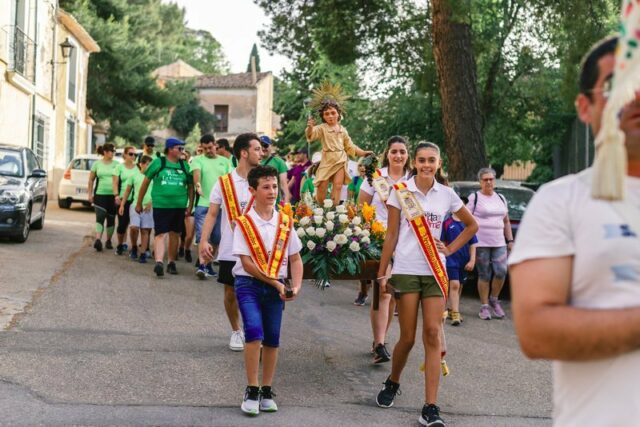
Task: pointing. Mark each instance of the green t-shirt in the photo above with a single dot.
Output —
(170, 185)
(354, 186)
(307, 186)
(135, 181)
(104, 173)
(276, 162)
(210, 170)
(124, 174)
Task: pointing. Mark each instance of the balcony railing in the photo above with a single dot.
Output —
(22, 53)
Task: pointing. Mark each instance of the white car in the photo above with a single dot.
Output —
(73, 185)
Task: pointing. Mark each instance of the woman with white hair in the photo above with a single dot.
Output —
(495, 240)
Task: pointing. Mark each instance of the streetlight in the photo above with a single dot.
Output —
(67, 48)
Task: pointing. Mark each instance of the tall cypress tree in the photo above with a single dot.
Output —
(254, 53)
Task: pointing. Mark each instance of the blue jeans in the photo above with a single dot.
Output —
(261, 309)
(199, 215)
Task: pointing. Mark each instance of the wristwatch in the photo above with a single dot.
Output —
(509, 241)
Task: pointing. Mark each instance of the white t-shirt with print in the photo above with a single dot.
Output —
(563, 220)
(241, 185)
(437, 203)
(267, 230)
(381, 208)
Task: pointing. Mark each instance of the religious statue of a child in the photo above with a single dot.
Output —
(328, 101)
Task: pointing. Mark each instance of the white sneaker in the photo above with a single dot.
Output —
(237, 341)
(251, 401)
(267, 404)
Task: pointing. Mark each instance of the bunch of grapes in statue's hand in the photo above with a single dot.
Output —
(370, 164)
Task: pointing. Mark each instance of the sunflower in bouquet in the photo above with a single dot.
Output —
(337, 239)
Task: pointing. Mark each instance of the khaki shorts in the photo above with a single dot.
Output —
(426, 286)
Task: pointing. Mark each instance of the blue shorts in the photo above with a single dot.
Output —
(261, 309)
(457, 273)
(200, 213)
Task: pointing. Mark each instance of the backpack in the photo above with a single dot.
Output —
(163, 165)
(475, 201)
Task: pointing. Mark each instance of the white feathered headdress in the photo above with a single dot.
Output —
(610, 166)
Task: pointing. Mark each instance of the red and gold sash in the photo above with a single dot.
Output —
(270, 266)
(416, 216)
(231, 199)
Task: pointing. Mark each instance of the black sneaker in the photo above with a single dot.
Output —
(187, 256)
(385, 397)
(119, 249)
(361, 299)
(159, 269)
(381, 354)
(171, 268)
(431, 416)
(180, 252)
(108, 244)
(97, 245)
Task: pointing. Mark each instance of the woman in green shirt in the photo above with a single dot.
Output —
(124, 171)
(104, 197)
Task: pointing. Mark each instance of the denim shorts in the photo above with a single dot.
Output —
(142, 219)
(261, 309)
(200, 213)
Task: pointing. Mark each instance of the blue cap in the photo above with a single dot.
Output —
(264, 139)
(172, 142)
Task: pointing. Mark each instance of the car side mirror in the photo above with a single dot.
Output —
(38, 173)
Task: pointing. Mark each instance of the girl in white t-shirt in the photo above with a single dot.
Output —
(396, 166)
(413, 279)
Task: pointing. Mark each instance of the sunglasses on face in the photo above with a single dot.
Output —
(180, 148)
(131, 153)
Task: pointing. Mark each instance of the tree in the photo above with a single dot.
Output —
(254, 54)
(458, 90)
(193, 139)
(136, 37)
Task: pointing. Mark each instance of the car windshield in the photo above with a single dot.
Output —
(11, 163)
(517, 198)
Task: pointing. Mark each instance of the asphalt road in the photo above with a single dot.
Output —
(95, 339)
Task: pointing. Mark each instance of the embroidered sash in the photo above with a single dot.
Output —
(381, 186)
(269, 265)
(416, 216)
(231, 199)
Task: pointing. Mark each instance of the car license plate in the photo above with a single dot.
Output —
(81, 190)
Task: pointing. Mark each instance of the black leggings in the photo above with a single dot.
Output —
(105, 207)
(123, 220)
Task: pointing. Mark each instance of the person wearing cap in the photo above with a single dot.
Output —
(270, 158)
(294, 175)
(575, 269)
(172, 190)
(148, 148)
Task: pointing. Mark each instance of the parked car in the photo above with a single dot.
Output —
(23, 192)
(73, 185)
(517, 197)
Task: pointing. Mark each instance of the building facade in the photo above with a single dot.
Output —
(35, 78)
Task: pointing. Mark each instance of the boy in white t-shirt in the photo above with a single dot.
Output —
(233, 200)
(575, 272)
(259, 283)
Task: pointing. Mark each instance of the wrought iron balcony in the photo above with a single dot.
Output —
(22, 53)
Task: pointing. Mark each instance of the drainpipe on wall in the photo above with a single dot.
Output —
(32, 127)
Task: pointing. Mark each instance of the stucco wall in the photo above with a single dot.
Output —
(264, 106)
(242, 107)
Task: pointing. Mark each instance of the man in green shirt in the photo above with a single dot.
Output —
(207, 169)
(270, 158)
(172, 191)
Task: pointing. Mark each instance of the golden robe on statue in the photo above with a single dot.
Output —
(336, 145)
